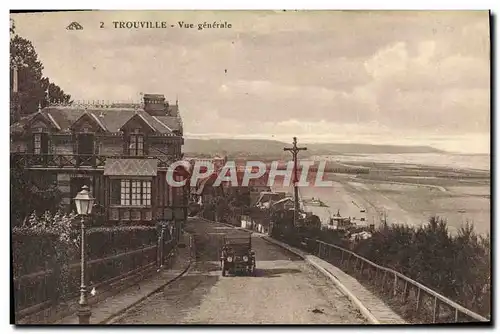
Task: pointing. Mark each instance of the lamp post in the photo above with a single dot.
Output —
(84, 203)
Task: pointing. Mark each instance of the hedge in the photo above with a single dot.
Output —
(456, 266)
(52, 243)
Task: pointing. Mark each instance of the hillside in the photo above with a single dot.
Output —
(264, 147)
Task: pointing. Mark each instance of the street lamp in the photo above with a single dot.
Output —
(84, 203)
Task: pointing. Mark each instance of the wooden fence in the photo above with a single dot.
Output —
(36, 291)
(418, 303)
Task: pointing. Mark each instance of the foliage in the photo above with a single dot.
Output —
(457, 266)
(52, 242)
(239, 199)
(106, 241)
(12, 28)
(32, 87)
(26, 197)
(60, 245)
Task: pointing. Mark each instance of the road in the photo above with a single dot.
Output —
(285, 290)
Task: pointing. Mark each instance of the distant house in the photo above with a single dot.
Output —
(121, 151)
(255, 185)
(269, 197)
(283, 204)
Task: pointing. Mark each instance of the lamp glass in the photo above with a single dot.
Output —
(84, 202)
(91, 205)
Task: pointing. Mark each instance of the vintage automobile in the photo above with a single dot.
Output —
(237, 254)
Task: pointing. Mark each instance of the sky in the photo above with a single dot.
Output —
(380, 77)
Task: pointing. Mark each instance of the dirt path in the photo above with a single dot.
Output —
(285, 291)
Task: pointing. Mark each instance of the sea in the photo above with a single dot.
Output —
(480, 162)
(337, 198)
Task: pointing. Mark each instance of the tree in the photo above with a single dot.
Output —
(12, 27)
(26, 197)
(55, 93)
(32, 87)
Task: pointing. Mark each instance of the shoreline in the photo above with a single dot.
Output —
(458, 196)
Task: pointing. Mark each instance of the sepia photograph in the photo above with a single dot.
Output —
(250, 167)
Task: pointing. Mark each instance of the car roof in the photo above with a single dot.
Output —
(238, 234)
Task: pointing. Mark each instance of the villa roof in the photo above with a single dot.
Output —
(110, 119)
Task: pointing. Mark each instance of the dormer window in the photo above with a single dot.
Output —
(136, 147)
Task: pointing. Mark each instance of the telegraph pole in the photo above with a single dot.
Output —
(295, 151)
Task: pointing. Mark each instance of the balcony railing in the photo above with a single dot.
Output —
(30, 160)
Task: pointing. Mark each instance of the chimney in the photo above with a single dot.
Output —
(155, 104)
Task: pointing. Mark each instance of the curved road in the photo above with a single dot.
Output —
(285, 290)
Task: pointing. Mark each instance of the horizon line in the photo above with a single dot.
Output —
(215, 136)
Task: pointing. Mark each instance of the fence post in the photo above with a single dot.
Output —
(435, 313)
(383, 280)
(405, 292)
(419, 300)
(395, 289)
(456, 315)
(160, 247)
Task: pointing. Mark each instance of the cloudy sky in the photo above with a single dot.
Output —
(418, 78)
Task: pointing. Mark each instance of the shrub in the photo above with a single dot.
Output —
(52, 242)
(26, 196)
(46, 242)
(457, 266)
(106, 241)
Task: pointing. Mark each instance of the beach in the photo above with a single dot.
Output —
(407, 191)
